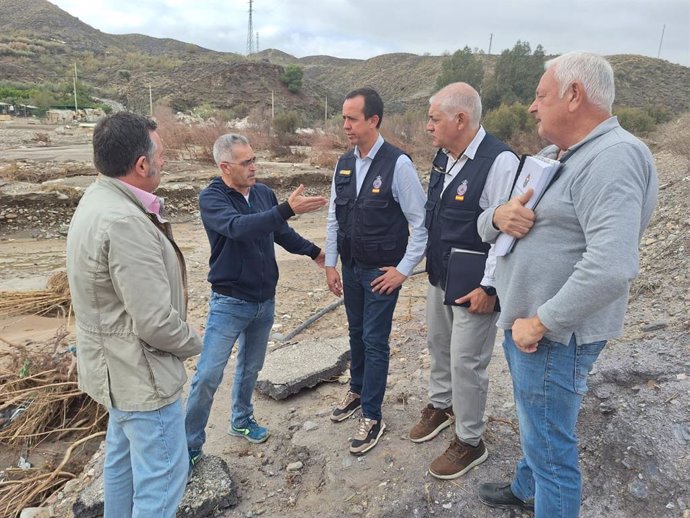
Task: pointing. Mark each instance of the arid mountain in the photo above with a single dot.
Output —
(40, 43)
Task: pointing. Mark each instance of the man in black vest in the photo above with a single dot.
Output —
(376, 197)
(472, 170)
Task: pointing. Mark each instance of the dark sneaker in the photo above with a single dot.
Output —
(348, 406)
(252, 431)
(433, 420)
(500, 495)
(368, 434)
(458, 459)
(195, 455)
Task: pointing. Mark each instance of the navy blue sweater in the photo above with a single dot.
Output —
(243, 262)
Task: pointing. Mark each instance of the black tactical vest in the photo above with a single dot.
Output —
(372, 229)
(451, 217)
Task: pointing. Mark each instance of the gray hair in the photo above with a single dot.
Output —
(222, 149)
(457, 97)
(592, 70)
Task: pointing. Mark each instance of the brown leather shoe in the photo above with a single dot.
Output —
(433, 420)
(458, 459)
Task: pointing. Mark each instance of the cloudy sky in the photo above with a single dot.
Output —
(366, 28)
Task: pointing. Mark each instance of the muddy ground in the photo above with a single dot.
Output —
(635, 424)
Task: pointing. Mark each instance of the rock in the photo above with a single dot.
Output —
(606, 408)
(638, 489)
(36, 512)
(655, 326)
(305, 364)
(209, 490)
(295, 466)
(308, 426)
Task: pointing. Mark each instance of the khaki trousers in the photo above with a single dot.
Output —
(460, 345)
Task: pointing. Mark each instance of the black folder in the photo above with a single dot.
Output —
(465, 273)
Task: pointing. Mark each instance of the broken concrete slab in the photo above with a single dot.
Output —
(302, 365)
(209, 490)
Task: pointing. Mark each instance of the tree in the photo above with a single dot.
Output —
(292, 77)
(464, 66)
(516, 75)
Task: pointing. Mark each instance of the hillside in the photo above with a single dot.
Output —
(40, 43)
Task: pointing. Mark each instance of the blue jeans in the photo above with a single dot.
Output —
(145, 470)
(229, 319)
(548, 386)
(369, 318)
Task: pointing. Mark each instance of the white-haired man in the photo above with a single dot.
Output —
(472, 170)
(564, 287)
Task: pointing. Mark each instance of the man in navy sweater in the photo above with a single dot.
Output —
(243, 220)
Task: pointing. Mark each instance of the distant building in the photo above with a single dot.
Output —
(55, 116)
(60, 116)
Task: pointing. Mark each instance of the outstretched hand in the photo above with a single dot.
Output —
(513, 218)
(301, 204)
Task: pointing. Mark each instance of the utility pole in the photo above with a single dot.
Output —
(273, 106)
(658, 54)
(491, 39)
(325, 113)
(257, 41)
(74, 82)
(250, 32)
(150, 101)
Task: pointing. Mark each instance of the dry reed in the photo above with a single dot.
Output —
(40, 401)
(54, 297)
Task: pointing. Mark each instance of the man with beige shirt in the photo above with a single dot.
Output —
(128, 284)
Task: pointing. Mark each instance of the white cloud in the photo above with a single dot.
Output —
(363, 29)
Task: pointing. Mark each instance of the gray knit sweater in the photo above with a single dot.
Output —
(575, 266)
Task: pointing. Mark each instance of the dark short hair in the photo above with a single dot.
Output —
(119, 140)
(373, 105)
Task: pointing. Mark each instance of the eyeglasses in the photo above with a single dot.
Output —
(243, 163)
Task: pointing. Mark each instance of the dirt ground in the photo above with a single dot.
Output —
(392, 480)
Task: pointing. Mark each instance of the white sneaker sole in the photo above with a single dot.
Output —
(340, 418)
(371, 444)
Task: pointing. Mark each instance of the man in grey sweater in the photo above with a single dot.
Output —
(564, 287)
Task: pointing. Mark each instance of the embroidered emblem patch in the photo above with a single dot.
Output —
(460, 193)
(344, 172)
(378, 182)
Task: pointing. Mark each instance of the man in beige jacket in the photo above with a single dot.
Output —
(128, 283)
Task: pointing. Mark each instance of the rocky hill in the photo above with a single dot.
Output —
(40, 43)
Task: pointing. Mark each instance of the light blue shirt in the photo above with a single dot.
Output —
(406, 190)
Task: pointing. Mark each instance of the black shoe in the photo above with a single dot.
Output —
(368, 434)
(348, 406)
(500, 495)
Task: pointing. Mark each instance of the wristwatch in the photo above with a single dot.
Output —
(489, 290)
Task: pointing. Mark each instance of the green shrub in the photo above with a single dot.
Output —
(292, 78)
(286, 122)
(636, 121)
(508, 120)
(659, 114)
(239, 111)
